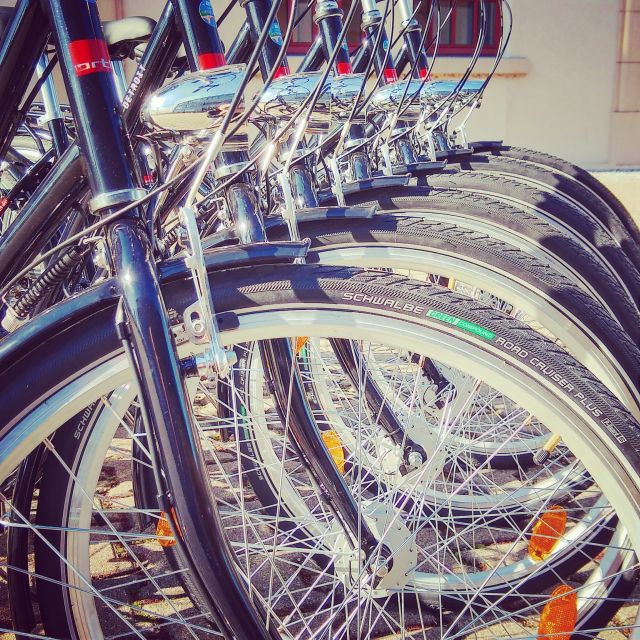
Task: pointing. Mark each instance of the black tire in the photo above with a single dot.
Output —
(484, 209)
(47, 361)
(446, 238)
(562, 185)
(573, 171)
(573, 219)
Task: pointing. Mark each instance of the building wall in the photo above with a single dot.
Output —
(564, 103)
(625, 129)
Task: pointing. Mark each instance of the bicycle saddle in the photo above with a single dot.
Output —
(123, 36)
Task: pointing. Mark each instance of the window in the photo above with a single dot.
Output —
(460, 33)
(307, 30)
(457, 37)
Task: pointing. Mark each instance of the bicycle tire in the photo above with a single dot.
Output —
(547, 179)
(569, 218)
(521, 229)
(78, 347)
(573, 171)
(450, 241)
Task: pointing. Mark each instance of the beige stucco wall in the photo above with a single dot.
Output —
(564, 103)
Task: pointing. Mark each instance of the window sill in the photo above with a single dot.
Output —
(455, 66)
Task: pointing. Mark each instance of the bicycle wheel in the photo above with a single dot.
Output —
(570, 170)
(526, 231)
(545, 179)
(489, 268)
(481, 438)
(565, 216)
(442, 585)
(84, 365)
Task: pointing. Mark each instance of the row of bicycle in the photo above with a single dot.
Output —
(301, 361)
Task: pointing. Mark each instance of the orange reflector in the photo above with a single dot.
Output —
(300, 343)
(559, 616)
(163, 531)
(332, 441)
(546, 532)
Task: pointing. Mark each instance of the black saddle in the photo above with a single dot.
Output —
(128, 37)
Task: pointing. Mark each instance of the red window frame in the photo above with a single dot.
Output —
(452, 48)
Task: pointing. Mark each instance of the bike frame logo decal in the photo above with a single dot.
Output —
(465, 325)
(90, 56)
(133, 87)
(275, 34)
(206, 13)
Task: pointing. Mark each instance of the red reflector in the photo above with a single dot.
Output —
(90, 56)
(282, 71)
(390, 75)
(211, 61)
(559, 616)
(343, 67)
(424, 72)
